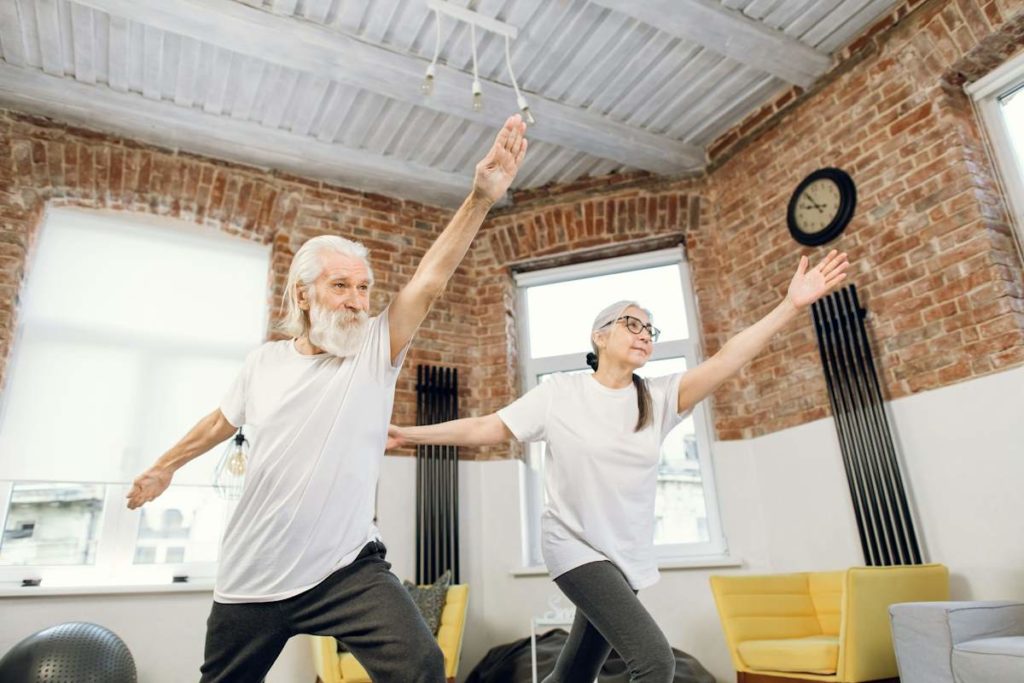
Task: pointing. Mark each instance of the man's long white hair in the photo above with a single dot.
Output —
(306, 267)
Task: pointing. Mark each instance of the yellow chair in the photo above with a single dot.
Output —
(335, 667)
(819, 626)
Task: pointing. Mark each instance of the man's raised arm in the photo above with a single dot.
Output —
(491, 180)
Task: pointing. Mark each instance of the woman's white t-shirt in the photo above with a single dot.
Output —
(600, 475)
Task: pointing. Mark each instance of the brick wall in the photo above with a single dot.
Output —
(43, 163)
(936, 264)
(935, 260)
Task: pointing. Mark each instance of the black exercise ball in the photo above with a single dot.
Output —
(69, 653)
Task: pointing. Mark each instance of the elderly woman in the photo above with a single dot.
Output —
(603, 433)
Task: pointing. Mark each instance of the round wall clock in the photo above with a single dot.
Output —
(821, 206)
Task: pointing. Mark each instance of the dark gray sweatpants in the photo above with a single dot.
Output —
(364, 605)
(609, 615)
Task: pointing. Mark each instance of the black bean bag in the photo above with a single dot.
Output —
(510, 663)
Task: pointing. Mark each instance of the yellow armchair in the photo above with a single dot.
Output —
(819, 626)
(335, 667)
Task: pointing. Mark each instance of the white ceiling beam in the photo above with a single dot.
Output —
(168, 125)
(48, 27)
(11, 34)
(731, 34)
(321, 51)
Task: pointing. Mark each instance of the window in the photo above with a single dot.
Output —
(130, 330)
(999, 98)
(557, 308)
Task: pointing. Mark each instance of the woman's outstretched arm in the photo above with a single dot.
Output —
(488, 430)
(806, 287)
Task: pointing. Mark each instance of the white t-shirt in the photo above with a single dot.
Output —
(317, 426)
(600, 475)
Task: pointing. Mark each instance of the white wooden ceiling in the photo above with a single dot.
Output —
(331, 88)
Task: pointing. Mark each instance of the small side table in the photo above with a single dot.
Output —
(558, 615)
(546, 620)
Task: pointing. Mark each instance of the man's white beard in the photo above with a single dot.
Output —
(339, 333)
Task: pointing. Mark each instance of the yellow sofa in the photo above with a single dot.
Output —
(335, 667)
(819, 626)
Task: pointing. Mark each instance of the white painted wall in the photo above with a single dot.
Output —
(785, 507)
(964, 453)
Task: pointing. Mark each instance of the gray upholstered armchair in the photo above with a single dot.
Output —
(959, 642)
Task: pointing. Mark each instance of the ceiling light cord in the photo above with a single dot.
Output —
(478, 94)
(520, 100)
(428, 78)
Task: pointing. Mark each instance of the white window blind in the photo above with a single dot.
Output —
(129, 331)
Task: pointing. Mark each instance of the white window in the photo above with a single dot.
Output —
(557, 308)
(999, 98)
(130, 329)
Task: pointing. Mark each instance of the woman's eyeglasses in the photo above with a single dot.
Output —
(636, 326)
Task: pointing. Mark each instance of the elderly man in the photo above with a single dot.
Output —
(301, 553)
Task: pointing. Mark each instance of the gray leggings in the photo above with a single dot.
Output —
(364, 605)
(609, 615)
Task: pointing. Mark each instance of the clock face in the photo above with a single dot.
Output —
(821, 206)
(817, 206)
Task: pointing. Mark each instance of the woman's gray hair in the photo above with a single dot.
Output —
(306, 267)
(609, 314)
(607, 317)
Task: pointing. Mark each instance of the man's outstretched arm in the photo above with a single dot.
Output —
(493, 176)
(208, 432)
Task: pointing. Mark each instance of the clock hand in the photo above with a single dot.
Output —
(819, 207)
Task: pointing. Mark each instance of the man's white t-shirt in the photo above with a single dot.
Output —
(317, 427)
(600, 475)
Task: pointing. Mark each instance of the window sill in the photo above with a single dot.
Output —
(13, 591)
(703, 562)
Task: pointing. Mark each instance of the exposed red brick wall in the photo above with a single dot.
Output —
(935, 260)
(43, 163)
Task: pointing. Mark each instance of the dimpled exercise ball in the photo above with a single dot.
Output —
(69, 653)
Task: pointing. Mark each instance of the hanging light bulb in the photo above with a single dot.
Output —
(478, 93)
(525, 108)
(474, 20)
(520, 100)
(229, 476)
(428, 81)
(478, 96)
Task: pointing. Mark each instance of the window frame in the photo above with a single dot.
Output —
(985, 94)
(531, 479)
(114, 567)
(114, 554)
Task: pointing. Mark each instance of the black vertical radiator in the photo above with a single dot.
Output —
(437, 478)
(879, 499)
